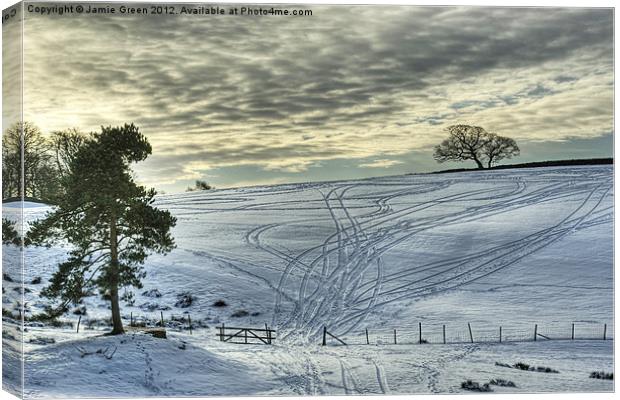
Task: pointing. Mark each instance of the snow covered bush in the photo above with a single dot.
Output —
(602, 375)
(150, 307)
(240, 313)
(528, 367)
(152, 293)
(184, 300)
(220, 303)
(475, 386)
(502, 382)
(42, 340)
(523, 366)
(547, 370)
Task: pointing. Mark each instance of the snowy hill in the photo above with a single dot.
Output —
(509, 248)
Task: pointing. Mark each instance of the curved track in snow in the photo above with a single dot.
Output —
(338, 252)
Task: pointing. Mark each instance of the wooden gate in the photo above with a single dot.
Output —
(232, 334)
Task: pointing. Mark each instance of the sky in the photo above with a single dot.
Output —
(349, 92)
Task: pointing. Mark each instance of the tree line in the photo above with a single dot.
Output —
(45, 161)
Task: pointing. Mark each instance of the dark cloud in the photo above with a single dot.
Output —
(564, 78)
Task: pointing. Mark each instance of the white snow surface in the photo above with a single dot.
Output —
(509, 248)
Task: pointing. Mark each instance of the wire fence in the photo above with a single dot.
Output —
(474, 333)
(421, 334)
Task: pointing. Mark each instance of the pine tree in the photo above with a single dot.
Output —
(107, 218)
(9, 233)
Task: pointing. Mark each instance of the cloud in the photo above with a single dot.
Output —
(347, 83)
(381, 163)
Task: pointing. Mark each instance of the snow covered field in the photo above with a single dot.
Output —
(509, 248)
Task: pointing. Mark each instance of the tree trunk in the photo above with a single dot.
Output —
(478, 163)
(117, 323)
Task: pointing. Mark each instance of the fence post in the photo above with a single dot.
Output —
(324, 335)
(162, 318)
(471, 336)
(78, 325)
(444, 334)
(367, 340)
(500, 334)
(535, 331)
(395, 336)
(131, 319)
(246, 335)
(189, 318)
(420, 327)
(572, 334)
(604, 331)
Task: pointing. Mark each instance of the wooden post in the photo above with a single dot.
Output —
(189, 318)
(471, 336)
(162, 318)
(444, 334)
(131, 319)
(500, 334)
(535, 331)
(268, 334)
(420, 328)
(572, 334)
(245, 331)
(395, 336)
(605, 332)
(324, 335)
(367, 340)
(78, 325)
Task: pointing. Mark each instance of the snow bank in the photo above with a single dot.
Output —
(136, 365)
